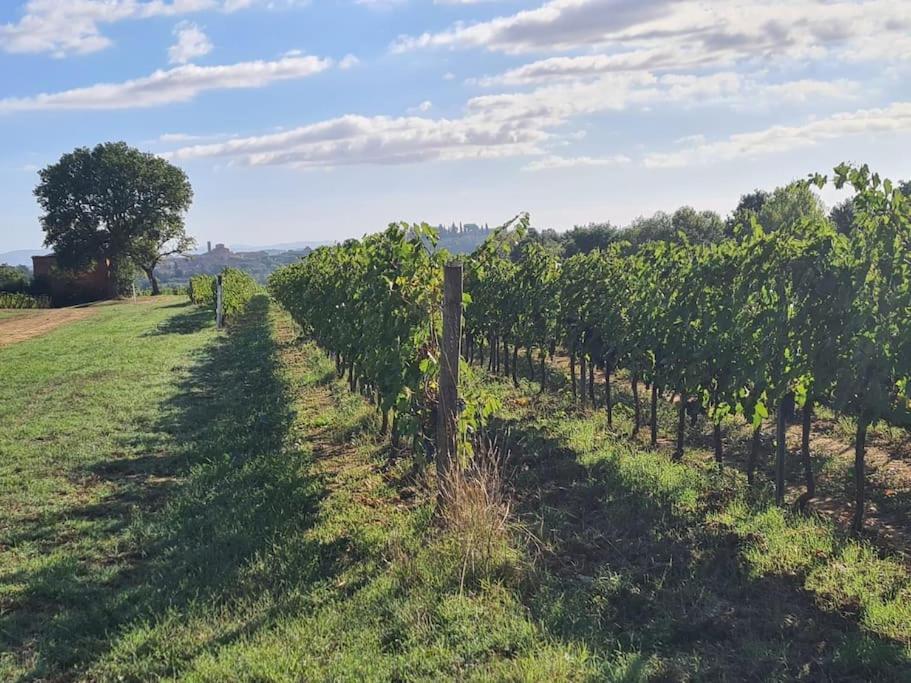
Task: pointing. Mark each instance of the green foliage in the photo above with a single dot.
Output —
(793, 307)
(114, 202)
(374, 303)
(14, 278)
(20, 300)
(202, 290)
(238, 288)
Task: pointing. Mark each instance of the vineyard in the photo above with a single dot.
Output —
(678, 459)
(751, 327)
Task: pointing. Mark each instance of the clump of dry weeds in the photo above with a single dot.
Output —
(475, 509)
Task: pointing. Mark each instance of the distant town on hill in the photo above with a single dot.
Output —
(259, 261)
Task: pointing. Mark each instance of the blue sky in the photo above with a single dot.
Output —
(326, 119)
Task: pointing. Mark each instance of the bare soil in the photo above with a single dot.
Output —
(37, 322)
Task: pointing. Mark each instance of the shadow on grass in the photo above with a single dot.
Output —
(630, 559)
(200, 517)
(191, 321)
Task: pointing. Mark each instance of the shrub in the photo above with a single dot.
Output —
(202, 289)
(18, 300)
(238, 287)
(14, 278)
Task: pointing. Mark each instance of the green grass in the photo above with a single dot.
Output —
(186, 505)
(713, 580)
(191, 506)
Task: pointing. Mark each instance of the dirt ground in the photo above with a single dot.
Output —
(34, 323)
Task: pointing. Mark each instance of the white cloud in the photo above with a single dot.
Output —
(191, 43)
(65, 27)
(549, 163)
(348, 61)
(567, 68)
(555, 24)
(520, 124)
(895, 118)
(379, 140)
(705, 30)
(422, 108)
(179, 84)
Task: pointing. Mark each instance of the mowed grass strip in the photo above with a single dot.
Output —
(85, 444)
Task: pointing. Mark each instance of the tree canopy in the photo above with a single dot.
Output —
(117, 203)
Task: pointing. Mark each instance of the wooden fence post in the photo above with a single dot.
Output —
(448, 405)
(219, 304)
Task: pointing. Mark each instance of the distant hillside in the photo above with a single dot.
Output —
(260, 264)
(280, 247)
(21, 257)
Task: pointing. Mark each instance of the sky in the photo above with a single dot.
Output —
(327, 119)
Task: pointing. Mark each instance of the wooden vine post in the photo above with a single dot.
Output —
(219, 304)
(448, 404)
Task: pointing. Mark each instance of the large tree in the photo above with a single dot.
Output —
(117, 203)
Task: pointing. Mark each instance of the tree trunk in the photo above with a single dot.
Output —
(582, 377)
(808, 495)
(607, 396)
(384, 427)
(654, 423)
(637, 410)
(790, 406)
(860, 448)
(543, 373)
(780, 450)
(506, 371)
(515, 366)
(591, 382)
(531, 363)
(150, 273)
(395, 430)
(754, 453)
(716, 438)
(572, 373)
(681, 426)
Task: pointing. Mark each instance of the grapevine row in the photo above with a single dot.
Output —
(743, 326)
(748, 326)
